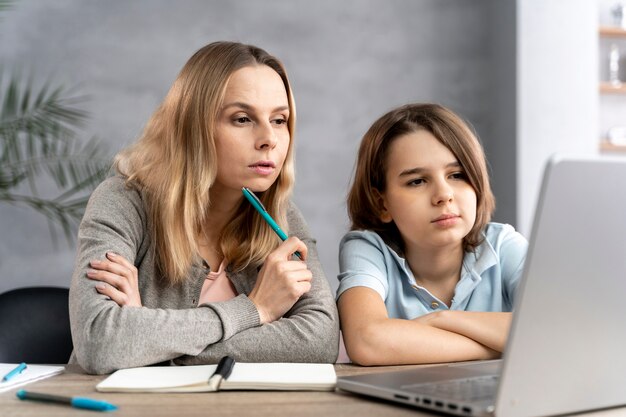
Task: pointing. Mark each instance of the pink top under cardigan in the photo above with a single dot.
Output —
(217, 287)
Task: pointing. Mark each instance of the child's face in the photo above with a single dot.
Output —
(251, 136)
(427, 193)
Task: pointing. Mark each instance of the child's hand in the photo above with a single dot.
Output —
(281, 281)
(430, 319)
(121, 277)
(490, 329)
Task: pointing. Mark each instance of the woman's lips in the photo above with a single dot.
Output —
(263, 167)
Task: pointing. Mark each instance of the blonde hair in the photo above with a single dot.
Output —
(371, 168)
(174, 164)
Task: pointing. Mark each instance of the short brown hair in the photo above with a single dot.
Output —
(369, 179)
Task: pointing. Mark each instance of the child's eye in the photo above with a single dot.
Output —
(458, 176)
(416, 181)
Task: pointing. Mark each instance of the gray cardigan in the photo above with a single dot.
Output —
(170, 325)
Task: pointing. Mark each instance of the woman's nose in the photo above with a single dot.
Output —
(266, 136)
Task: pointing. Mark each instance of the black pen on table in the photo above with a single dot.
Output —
(223, 371)
(76, 402)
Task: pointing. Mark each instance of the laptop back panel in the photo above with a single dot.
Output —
(566, 350)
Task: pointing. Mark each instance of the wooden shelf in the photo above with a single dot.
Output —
(612, 31)
(606, 146)
(608, 88)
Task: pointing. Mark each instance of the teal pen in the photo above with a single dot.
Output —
(256, 203)
(18, 370)
(76, 402)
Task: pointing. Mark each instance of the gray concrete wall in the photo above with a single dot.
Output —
(349, 61)
(500, 145)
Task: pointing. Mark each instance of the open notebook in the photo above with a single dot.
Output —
(32, 373)
(244, 376)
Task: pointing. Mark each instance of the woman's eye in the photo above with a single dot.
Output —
(242, 119)
(280, 121)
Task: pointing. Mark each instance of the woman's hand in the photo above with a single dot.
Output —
(121, 277)
(281, 281)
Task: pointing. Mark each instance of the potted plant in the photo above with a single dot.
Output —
(44, 164)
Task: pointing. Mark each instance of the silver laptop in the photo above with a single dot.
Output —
(566, 350)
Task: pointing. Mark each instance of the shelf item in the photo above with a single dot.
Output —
(612, 32)
(606, 146)
(608, 88)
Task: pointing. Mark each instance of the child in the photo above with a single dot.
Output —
(173, 263)
(424, 276)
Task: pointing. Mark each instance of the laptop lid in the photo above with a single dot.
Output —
(566, 350)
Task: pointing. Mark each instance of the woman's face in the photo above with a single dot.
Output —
(252, 136)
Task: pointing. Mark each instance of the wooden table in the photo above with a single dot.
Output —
(249, 403)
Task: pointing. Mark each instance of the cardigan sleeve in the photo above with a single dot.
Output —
(106, 336)
(309, 332)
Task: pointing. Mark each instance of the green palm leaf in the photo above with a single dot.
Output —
(39, 144)
(5, 4)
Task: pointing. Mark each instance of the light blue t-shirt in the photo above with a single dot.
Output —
(488, 280)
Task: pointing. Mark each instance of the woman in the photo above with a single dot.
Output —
(173, 263)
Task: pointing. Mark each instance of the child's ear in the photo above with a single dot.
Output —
(383, 213)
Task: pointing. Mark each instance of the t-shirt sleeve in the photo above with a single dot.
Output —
(362, 264)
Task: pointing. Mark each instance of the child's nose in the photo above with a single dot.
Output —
(443, 194)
